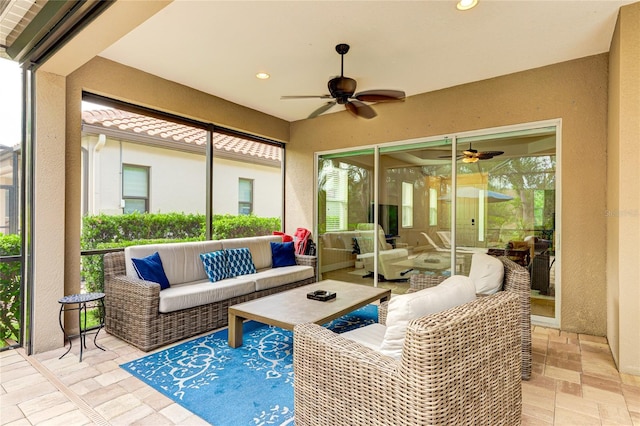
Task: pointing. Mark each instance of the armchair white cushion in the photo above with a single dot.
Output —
(487, 273)
(403, 308)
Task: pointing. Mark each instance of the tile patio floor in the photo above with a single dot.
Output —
(574, 382)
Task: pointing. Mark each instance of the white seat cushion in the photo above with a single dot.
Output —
(188, 295)
(487, 273)
(270, 278)
(370, 336)
(453, 291)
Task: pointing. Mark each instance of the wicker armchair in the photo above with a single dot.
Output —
(516, 280)
(459, 366)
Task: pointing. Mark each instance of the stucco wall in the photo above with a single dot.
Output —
(574, 91)
(177, 180)
(623, 210)
(48, 221)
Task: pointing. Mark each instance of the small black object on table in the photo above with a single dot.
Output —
(321, 295)
(81, 300)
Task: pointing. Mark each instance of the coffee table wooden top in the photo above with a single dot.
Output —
(292, 307)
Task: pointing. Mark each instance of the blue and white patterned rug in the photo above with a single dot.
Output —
(249, 385)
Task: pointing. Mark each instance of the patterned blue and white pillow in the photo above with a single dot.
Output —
(239, 262)
(215, 265)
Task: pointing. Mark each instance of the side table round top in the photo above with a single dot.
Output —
(81, 298)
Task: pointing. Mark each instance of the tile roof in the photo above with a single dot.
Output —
(175, 132)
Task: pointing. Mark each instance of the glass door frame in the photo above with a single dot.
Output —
(453, 137)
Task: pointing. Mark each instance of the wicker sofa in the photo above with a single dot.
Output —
(138, 312)
(458, 366)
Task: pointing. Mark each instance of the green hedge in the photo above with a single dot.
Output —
(140, 226)
(9, 289)
(104, 232)
(228, 226)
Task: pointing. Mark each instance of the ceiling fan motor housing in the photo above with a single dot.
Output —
(342, 88)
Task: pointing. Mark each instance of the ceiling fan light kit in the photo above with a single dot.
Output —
(473, 155)
(342, 90)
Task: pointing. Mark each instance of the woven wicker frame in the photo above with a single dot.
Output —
(516, 280)
(459, 366)
(132, 307)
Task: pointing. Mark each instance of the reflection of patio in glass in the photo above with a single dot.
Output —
(433, 262)
(499, 202)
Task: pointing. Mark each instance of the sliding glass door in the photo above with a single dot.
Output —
(507, 204)
(345, 189)
(427, 206)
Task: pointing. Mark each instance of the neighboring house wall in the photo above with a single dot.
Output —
(6, 182)
(177, 180)
(168, 172)
(267, 200)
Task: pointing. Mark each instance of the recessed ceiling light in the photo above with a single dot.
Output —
(466, 4)
(262, 75)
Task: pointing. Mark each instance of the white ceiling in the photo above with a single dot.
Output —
(416, 46)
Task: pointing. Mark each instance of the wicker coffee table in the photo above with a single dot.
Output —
(292, 307)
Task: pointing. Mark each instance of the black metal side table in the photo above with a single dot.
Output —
(81, 300)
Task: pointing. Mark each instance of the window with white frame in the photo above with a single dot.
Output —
(245, 196)
(337, 199)
(433, 207)
(407, 205)
(135, 188)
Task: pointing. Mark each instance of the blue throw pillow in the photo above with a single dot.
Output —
(239, 262)
(150, 269)
(215, 265)
(282, 254)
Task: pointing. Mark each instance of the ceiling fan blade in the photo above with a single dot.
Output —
(380, 96)
(322, 109)
(307, 97)
(360, 109)
(489, 154)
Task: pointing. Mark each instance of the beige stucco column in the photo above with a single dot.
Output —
(49, 207)
(623, 202)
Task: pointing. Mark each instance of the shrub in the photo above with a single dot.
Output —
(229, 226)
(140, 226)
(105, 232)
(9, 289)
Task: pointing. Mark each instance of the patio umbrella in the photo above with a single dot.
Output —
(473, 192)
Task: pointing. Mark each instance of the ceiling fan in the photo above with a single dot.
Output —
(472, 155)
(342, 90)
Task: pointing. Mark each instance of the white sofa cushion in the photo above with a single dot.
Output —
(270, 278)
(188, 295)
(181, 261)
(487, 273)
(258, 246)
(453, 291)
(370, 335)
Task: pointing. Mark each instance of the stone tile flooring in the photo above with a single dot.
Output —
(574, 382)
